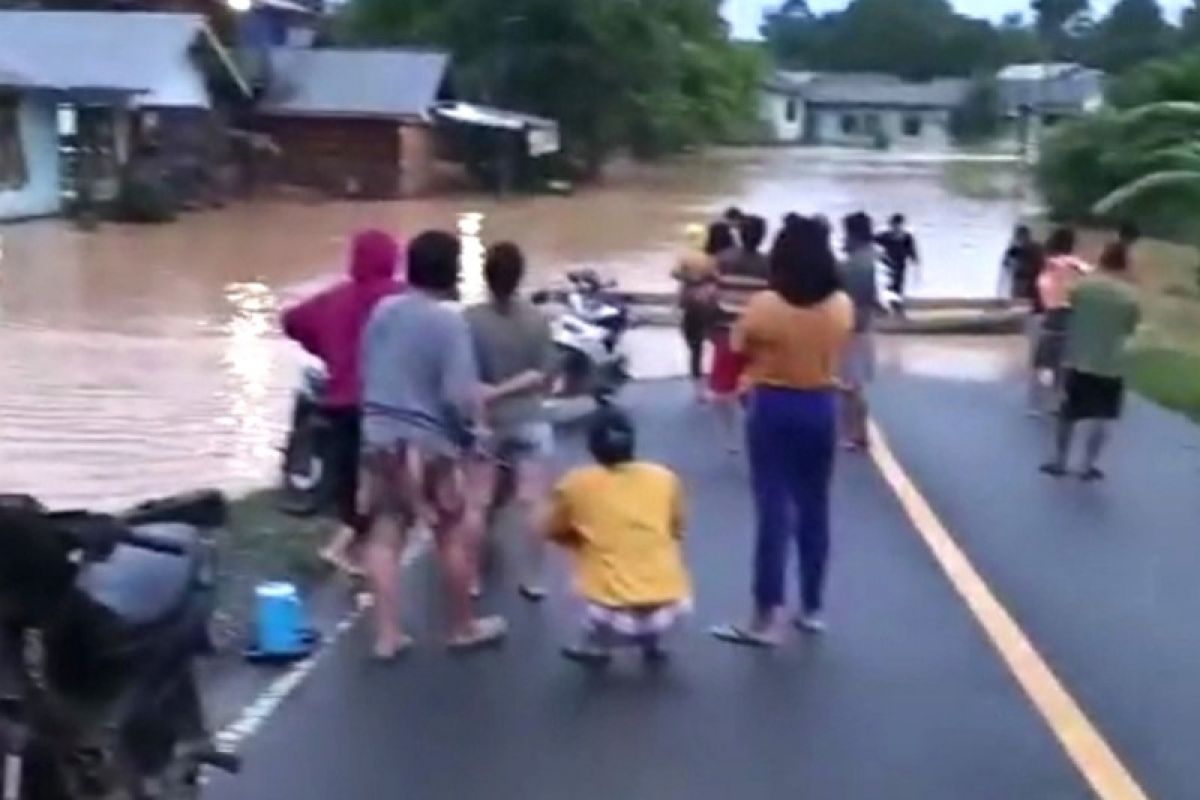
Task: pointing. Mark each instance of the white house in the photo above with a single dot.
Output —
(783, 106)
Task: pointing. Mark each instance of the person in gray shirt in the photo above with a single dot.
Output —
(421, 400)
(517, 358)
(861, 278)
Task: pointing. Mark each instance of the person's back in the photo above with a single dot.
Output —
(419, 372)
(1104, 314)
(330, 324)
(511, 340)
(741, 274)
(625, 525)
(859, 272)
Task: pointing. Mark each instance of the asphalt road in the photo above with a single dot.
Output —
(903, 699)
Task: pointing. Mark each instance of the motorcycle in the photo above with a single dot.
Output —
(101, 620)
(588, 335)
(303, 473)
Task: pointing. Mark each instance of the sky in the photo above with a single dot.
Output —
(746, 14)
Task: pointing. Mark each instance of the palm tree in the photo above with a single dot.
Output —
(1174, 166)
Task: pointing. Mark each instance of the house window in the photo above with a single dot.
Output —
(913, 125)
(790, 111)
(849, 124)
(874, 126)
(13, 171)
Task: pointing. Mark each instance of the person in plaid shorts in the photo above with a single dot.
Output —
(623, 522)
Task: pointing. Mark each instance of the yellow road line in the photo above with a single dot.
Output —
(1087, 749)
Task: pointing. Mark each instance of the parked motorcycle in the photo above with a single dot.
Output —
(101, 620)
(303, 475)
(588, 335)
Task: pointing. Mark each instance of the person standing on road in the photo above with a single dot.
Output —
(421, 401)
(742, 272)
(1062, 271)
(1104, 315)
(899, 253)
(623, 522)
(516, 360)
(860, 275)
(696, 274)
(793, 338)
(329, 325)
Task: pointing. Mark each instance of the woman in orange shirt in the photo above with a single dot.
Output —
(792, 337)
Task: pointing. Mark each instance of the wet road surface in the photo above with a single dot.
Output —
(139, 360)
(905, 698)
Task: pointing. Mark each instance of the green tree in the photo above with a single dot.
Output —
(1058, 25)
(1133, 32)
(651, 75)
(916, 38)
(980, 116)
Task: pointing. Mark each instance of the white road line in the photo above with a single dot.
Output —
(254, 716)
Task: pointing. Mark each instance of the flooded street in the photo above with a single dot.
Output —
(137, 360)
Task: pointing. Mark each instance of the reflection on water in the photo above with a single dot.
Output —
(249, 360)
(137, 360)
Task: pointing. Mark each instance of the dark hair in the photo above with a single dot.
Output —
(859, 230)
(504, 269)
(1129, 232)
(1115, 257)
(897, 219)
(733, 214)
(433, 261)
(1061, 242)
(720, 239)
(35, 569)
(1022, 232)
(803, 267)
(753, 230)
(612, 439)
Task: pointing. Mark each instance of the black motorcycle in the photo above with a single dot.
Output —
(101, 620)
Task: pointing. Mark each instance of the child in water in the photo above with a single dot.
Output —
(623, 521)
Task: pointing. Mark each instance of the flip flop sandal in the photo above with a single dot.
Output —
(402, 648)
(1092, 475)
(1053, 470)
(587, 656)
(734, 634)
(484, 633)
(534, 594)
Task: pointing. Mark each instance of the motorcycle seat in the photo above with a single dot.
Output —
(141, 587)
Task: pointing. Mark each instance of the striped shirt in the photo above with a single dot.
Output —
(740, 276)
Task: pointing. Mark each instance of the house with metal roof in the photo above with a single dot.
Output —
(382, 123)
(1050, 91)
(861, 109)
(81, 92)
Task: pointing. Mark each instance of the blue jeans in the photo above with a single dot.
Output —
(792, 438)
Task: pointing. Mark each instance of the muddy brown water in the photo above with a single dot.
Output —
(139, 360)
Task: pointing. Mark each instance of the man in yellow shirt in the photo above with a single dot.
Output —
(622, 520)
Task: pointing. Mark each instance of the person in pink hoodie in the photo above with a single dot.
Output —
(329, 325)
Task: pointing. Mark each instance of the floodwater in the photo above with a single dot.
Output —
(142, 360)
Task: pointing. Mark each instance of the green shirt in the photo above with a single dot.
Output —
(1104, 314)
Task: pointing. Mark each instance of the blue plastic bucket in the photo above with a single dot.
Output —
(280, 619)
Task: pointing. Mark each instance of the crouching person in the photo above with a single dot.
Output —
(622, 520)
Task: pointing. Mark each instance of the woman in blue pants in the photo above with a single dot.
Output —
(793, 337)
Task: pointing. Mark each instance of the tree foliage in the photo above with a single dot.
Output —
(1138, 160)
(922, 38)
(651, 75)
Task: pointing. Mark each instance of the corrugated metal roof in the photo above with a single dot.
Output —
(144, 53)
(1059, 87)
(885, 90)
(388, 84)
(788, 81)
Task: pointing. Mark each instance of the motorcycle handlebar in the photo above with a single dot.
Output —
(154, 544)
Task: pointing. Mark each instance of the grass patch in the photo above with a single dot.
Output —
(260, 544)
(1170, 378)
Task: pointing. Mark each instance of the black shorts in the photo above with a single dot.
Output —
(340, 448)
(1088, 396)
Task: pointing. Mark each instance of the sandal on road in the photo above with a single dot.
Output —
(587, 656)
(745, 637)
(482, 633)
(393, 653)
